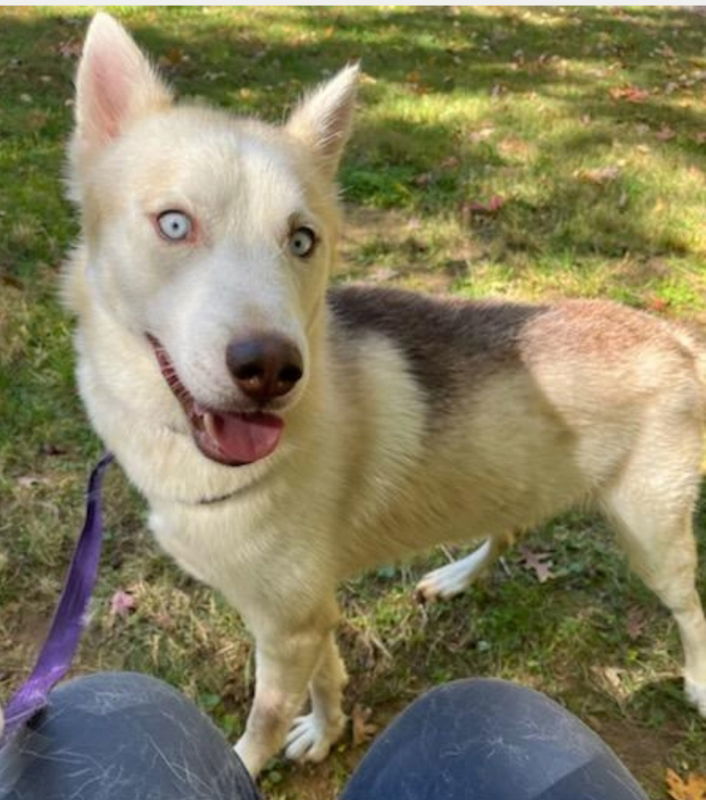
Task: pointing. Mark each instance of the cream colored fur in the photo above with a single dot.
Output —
(601, 403)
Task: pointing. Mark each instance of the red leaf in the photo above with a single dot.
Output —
(665, 133)
(633, 94)
(657, 304)
(122, 603)
(493, 205)
(636, 622)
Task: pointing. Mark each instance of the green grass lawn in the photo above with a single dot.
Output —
(523, 152)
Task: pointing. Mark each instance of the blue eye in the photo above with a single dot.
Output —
(174, 225)
(302, 242)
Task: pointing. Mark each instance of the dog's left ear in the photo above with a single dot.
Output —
(322, 120)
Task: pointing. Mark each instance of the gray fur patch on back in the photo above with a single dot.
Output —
(448, 343)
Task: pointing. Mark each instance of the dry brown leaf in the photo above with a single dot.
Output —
(633, 94)
(636, 621)
(70, 48)
(539, 563)
(599, 176)
(424, 179)
(665, 133)
(693, 788)
(362, 729)
(482, 133)
(29, 481)
(450, 162)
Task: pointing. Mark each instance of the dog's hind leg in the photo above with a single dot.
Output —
(652, 508)
(311, 735)
(453, 578)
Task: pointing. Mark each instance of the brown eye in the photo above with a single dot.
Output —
(174, 225)
(302, 242)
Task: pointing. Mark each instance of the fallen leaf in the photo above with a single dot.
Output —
(51, 449)
(71, 48)
(636, 622)
(362, 729)
(424, 179)
(657, 304)
(414, 81)
(173, 57)
(611, 680)
(600, 175)
(122, 603)
(539, 563)
(28, 481)
(451, 162)
(700, 137)
(481, 134)
(493, 205)
(633, 94)
(665, 133)
(383, 274)
(693, 788)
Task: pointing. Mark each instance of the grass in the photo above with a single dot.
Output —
(599, 191)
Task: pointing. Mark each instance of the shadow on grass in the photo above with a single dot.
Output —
(262, 61)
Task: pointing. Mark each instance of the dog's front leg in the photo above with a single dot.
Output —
(285, 664)
(311, 736)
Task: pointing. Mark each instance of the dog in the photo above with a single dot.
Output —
(287, 435)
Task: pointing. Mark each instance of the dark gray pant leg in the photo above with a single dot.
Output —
(485, 739)
(121, 736)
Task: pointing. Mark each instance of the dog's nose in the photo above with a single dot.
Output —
(264, 366)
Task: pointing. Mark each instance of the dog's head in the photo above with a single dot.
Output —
(208, 237)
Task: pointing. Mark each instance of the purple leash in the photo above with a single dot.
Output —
(70, 616)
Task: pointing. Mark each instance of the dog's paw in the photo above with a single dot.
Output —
(443, 582)
(696, 694)
(454, 577)
(309, 740)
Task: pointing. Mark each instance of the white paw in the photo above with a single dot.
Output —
(443, 582)
(696, 694)
(454, 577)
(310, 740)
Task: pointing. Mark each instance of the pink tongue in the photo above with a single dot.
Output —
(246, 437)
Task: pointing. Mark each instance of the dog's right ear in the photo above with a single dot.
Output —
(115, 85)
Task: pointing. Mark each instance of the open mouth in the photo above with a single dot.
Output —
(231, 438)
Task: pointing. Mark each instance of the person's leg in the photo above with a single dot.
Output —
(120, 735)
(485, 739)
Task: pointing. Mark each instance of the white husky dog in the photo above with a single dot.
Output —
(286, 437)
